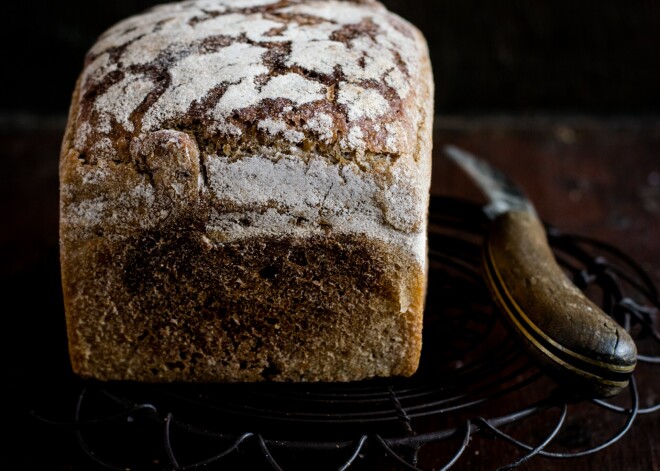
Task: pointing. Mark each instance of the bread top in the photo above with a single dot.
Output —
(337, 78)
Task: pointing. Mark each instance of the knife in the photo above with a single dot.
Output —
(565, 332)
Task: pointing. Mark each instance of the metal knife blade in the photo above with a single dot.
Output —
(503, 193)
(560, 327)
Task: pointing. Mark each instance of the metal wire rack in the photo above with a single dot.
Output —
(469, 362)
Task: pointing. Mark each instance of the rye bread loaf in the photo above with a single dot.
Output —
(244, 193)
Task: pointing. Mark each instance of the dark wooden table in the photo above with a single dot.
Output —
(595, 177)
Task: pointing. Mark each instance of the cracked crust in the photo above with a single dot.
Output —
(334, 74)
(244, 187)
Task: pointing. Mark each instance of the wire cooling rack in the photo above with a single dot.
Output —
(469, 366)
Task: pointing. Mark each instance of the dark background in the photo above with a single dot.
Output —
(562, 95)
(559, 56)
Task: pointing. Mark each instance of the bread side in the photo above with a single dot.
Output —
(244, 186)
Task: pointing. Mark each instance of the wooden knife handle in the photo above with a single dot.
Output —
(560, 326)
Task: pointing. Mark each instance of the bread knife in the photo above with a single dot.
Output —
(561, 328)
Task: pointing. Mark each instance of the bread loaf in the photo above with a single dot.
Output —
(244, 192)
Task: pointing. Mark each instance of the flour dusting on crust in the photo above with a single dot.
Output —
(329, 69)
(305, 116)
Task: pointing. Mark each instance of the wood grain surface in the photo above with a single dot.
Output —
(598, 178)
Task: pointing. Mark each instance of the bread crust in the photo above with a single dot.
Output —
(244, 193)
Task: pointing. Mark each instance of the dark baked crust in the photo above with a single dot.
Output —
(319, 309)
